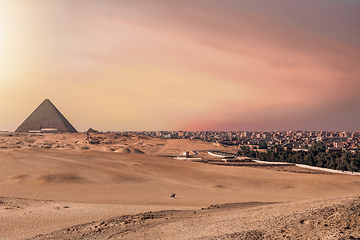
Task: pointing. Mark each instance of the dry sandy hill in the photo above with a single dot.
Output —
(45, 188)
(110, 142)
(316, 219)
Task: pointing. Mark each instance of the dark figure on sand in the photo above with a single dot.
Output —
(172, 195)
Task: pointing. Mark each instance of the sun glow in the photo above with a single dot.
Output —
(1, 35)
(4, 57)
(1, 38)
(2, 47)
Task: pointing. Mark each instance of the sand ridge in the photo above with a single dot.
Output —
(316, 219)
(109, 142)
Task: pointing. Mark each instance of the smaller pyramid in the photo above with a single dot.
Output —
(46, 118)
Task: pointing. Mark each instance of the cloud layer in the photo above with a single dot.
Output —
(192, 65)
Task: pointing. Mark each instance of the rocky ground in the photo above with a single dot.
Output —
(321, 219)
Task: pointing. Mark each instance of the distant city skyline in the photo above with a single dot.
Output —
(183, 65)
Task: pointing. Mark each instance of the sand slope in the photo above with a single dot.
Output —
(71, 185)
(24, 218)
(316, 219)
(105, 177)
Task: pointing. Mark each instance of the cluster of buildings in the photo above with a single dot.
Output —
(271, 139)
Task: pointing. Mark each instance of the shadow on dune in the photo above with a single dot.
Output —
(62, 178)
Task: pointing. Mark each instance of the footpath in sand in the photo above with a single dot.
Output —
(45, 189)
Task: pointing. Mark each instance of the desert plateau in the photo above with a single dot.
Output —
(118, 186)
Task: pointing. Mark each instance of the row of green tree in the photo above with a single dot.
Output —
(315, 156)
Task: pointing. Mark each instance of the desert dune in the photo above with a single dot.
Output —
(46, 188)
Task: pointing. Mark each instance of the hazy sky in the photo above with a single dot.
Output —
(183, 65)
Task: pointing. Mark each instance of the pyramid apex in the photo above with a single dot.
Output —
(46, 100)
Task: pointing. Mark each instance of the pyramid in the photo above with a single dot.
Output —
(46, 118)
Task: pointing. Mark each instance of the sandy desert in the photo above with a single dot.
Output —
(118, 186)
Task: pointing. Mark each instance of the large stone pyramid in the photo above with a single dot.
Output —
(46, 118)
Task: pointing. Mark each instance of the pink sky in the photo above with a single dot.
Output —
(183, 65)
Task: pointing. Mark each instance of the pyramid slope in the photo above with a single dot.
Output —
(46, 116)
